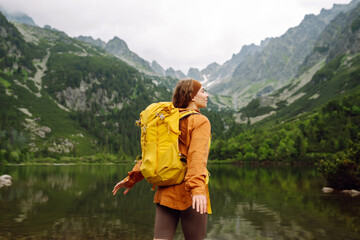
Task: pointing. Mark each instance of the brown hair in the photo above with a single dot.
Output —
(184, 91)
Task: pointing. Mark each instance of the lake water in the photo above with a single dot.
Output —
(75, 202)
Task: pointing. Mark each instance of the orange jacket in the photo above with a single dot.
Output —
(194, 144)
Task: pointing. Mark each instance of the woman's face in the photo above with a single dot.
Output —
(200, 98)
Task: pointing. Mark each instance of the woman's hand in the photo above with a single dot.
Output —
(199, 202)
(119, 185)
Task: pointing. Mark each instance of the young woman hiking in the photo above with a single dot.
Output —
(188, 201)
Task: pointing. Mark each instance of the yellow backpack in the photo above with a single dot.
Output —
(162, 163)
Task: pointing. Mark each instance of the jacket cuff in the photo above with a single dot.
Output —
(132, 178)
(198, 191)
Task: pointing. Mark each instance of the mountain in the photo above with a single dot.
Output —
(194, 73)
(330, 71)
(315, 118)
(98, 42)
(74, 97)
(216, 75)
(338, 38)
(119, 48)
(275, 63)
(62, 96)
(175, 74)
(254, 71)
(18, 17)
(157, 68)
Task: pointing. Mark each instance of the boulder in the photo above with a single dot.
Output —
(327, 189)
(5, 180)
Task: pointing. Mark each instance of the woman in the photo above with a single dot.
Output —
(188, 201)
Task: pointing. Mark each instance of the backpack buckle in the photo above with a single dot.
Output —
(161, 116)
(182, 158)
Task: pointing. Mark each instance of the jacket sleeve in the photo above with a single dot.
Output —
(134, 176)
(197, 156)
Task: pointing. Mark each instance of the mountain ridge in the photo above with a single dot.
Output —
(18, 17)
(330, 71)
(62, 95)
(278, 62)
(66, 96)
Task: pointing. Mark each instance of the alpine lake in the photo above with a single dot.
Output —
(76, 202)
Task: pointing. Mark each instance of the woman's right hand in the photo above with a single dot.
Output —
(121, 184)
(199, 202)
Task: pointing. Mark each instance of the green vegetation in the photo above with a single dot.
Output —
(89, 100)
(113, 127)
(321, 49)
(23, 54)
(98, 158)
(5, 83)
(340, 77)
(355, 25)
(221, 100)
(31, 85)
(322, 135)
(254, 109)
(328, 71)
(342, 170)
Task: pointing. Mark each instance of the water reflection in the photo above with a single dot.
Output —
(75, 202)
(279, 203)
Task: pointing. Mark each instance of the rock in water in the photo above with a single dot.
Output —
(5, 180)
(327, 190)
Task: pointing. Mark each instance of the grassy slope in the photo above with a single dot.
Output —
(342, 81)
(50, 115)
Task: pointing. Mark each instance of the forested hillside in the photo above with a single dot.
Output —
(306, 138)
(62, 97)
(67, 100)
(315, 117)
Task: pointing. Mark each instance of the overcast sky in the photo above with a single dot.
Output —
(176, 33)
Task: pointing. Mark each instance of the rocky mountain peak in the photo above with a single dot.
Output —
(195, 73)
(117, 46)
(157, 68)
(98, 42)
(175, 74)
(211, 67)
(18, 17)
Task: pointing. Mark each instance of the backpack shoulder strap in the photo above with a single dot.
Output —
(187, 113)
